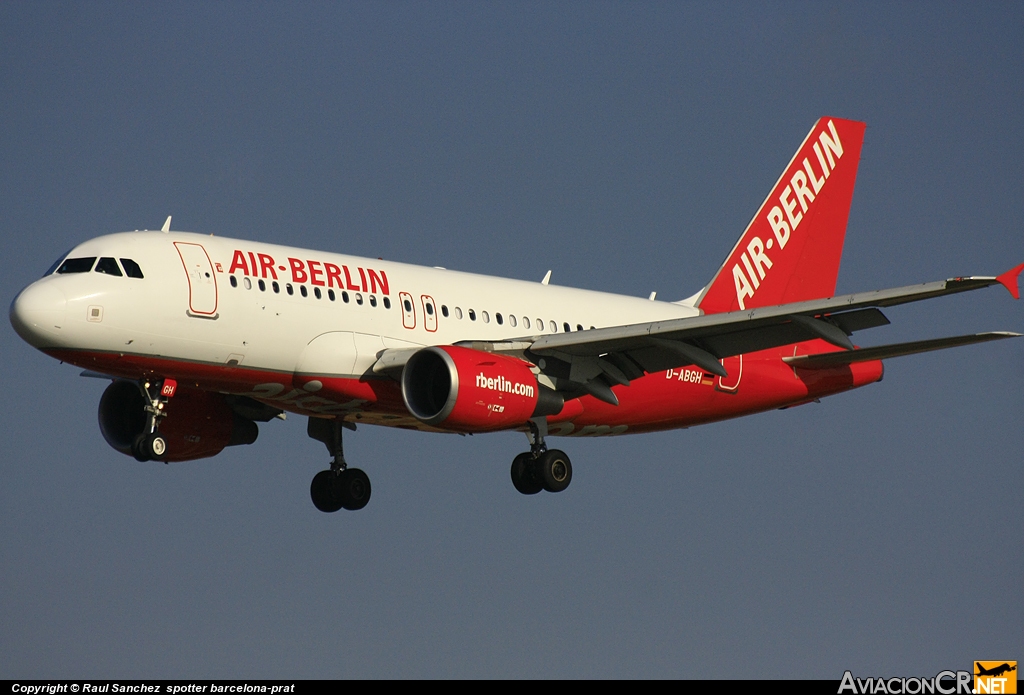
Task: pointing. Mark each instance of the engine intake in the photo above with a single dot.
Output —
(473, 391)
(198, 423)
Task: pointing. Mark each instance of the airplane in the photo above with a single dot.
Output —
(203, 337)
(994, 671)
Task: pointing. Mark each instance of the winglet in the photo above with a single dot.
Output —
(1009, 280)
(167, 225)
(547, 278)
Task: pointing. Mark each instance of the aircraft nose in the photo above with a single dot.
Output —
(37, 314)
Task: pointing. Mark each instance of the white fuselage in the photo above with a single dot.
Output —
(215, 321)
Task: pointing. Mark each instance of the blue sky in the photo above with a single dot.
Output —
(623, 145)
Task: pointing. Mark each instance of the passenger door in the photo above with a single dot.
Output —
(202, 283)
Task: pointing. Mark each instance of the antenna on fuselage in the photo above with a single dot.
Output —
(547, 278)
(167, 225)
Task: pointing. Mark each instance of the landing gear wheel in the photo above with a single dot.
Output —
(147, 447)
(353, 488)
(324, 491)
(523, 477)
(553, 470)
(138, 449)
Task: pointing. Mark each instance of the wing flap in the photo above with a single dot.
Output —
(859, 320)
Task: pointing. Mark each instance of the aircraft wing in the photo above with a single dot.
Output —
(591, 361)
(596, 359)
(749, 330)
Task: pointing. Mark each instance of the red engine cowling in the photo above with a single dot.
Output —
(466, 390)
(198, 423)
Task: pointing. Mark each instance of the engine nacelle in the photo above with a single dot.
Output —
(468, 390)
(198, 423)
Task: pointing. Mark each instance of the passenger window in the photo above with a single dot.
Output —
(263, 286)
(444, 311)
(248, 283)
(131, 268)
(373, 300)
(579, 327)
(458, 313)
(302, 289)
(554, 327)
(330, 295)
(316, 291)
(234, 281)
(359, 299)
(512, 320)
(407, 305)
(526, 322)
(567, 327)
(485, 316)
(76, 265)
(387, 303)
(430, 309)
(472, 315)
(288, 288)
(277, 288)
(344, 297)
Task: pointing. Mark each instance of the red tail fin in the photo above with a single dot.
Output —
(790, 251)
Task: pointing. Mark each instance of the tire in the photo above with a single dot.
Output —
(323, 492)
(523, 477)
(353, 489)
(139, 449)
(554, 471)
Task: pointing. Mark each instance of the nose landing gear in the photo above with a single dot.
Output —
(150, 444)
(340, 487)
(540, 468)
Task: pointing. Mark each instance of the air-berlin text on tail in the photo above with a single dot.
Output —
(804, 185)
(321, 273)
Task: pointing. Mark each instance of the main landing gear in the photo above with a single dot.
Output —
(150, 444)
(540, 468)
(340, 487)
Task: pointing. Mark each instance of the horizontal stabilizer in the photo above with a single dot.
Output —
(881, 352)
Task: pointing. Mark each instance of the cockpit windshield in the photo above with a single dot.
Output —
(76, 265)
(106, 265)
(52, 268)
(131, 268)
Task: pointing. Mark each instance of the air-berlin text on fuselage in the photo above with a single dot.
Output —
(503, 385)
(784, 218)
(322, 273)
